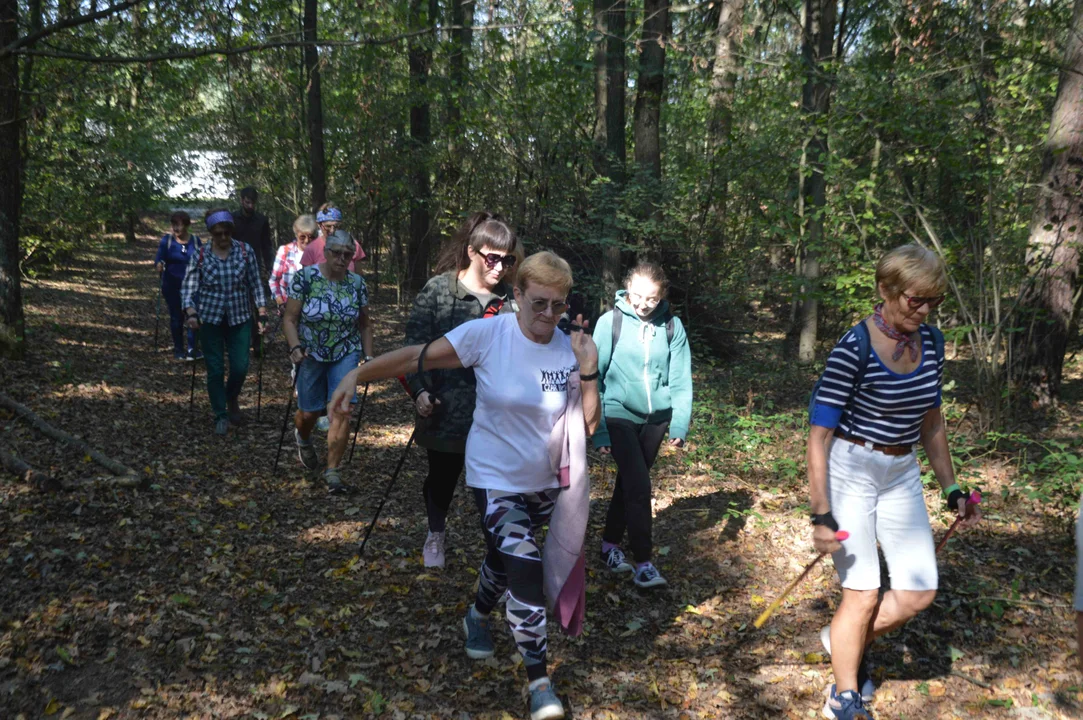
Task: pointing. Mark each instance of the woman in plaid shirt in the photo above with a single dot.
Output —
(222, 277)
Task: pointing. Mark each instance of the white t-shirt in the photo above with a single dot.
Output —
(522, 391)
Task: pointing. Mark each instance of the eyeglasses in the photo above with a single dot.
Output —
(305, 236)
(491, 259)
(329, 227)
(915, 301)
(340, 254)
(637, 299)
(539, 306)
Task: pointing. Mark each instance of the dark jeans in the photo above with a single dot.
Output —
(439, 488)
(635, 448)
(217, 340)
(171, 291)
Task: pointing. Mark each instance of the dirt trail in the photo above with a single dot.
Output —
(224, 591)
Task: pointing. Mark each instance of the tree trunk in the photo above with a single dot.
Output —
(420, 59)
(316, 157)
(610, 118)
(817, 47)
(647, 113)
(720, 102)
(1056, 232)
(12, 335)
(462, 17)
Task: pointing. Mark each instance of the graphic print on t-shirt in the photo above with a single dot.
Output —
(556, 380)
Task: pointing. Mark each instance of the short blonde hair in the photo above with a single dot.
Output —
(911, 267)
(547, 269)
(306, 224)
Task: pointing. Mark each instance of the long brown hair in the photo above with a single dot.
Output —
(482, 229)
(651, 271)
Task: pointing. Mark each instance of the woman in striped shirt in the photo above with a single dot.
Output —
(878, 397)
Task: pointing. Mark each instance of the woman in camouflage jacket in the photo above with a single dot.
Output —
(474, 279)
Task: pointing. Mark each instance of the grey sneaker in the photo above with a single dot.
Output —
(479, 641)
(864, 678)
(648, 576)
(306, 452)
(221, 426)
(433, 550)
(544, 703)
(335, 486)
(616, 561)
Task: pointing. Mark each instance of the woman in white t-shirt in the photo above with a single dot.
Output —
(524, 370)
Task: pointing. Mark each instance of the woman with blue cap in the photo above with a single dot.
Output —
(216, 291)
(329, 218)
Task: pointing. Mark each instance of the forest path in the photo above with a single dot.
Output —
(226, 591)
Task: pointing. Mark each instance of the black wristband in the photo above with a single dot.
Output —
(954, 498)
(587, 378)
(297, 347)
(826, 519)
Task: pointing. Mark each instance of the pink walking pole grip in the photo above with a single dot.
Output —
(841, 535)
(974, 499)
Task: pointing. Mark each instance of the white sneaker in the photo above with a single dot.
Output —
(825, 638)
(433, 550)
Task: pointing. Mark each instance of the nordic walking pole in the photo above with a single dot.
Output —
(357, 427)
(259, 378)
(286, 419)
(387, 493)
(840, 535)
(158, 310)
(974, 499)
(192, 394)
(395, 474)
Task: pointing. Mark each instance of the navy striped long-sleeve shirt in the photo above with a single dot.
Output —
(888, 407)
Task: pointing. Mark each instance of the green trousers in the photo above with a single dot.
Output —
(217, 341)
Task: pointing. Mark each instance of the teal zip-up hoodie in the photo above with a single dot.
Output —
(645, 378)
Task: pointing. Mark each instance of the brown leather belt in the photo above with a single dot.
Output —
(894, 450)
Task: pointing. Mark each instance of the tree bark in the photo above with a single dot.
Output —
(720, 102)
(609, 132)
(316, 157)
(817, 47)
(12, 329)
(647, 114)
(420, 61)
(1056, 231)
(462, 17)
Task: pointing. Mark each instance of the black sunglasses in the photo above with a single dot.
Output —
(491, 259)
(916, 301)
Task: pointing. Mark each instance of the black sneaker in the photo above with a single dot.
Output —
(616, 561)
(306, 453)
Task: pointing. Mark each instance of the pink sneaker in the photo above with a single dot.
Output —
(433, 550)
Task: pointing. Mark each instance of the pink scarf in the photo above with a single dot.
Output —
(902, 341)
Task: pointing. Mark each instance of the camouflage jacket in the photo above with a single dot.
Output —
(443, 304)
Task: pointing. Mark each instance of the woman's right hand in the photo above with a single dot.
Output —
(605, 450)
(297, 355)
(824, 540)
(192, 322)
(159, 266)
(425, 403)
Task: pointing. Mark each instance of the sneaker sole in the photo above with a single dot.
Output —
(548, 713)
(656, 583)
(305, 465)
(434, 564)
(622, 568)
(475, 654)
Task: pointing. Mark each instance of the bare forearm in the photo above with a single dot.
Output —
(935, 441)
(816, 457)
(592, 406)
(366, 340)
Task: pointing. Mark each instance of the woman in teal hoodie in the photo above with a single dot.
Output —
(646, 388)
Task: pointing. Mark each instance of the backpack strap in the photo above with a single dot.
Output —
(669, 328)
(938, 342)
(861, 332)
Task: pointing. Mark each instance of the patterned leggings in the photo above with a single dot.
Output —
(513, 563)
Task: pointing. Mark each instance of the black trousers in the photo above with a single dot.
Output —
(439, 488)
(635, 448)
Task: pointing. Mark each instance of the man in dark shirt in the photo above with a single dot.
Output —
(252, 227)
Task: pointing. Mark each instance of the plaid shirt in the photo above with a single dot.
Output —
(223, 286)
(287, 262)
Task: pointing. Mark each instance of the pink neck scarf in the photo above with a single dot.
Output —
(902, 341)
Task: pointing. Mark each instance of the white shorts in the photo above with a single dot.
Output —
(1079, 560)
(878, 497)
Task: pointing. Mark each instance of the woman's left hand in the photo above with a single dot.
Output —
(676, 442)
(586, 352)
(969, 512)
